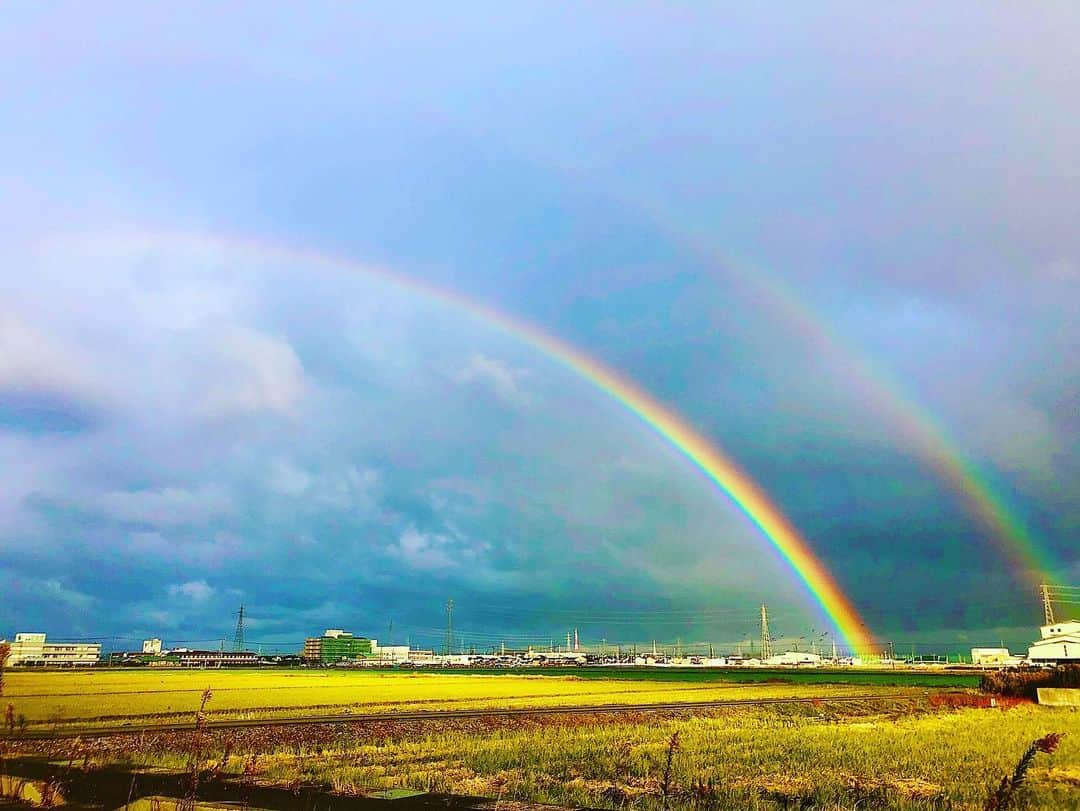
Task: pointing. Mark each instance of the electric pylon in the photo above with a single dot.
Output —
(449, 627)
(1048, 607)
(238, 640)
(766, 640)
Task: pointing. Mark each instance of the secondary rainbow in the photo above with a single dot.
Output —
(925, 434)
(722, 471)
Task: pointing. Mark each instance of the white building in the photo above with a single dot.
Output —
(794, 658)
(30, 650)
(389, 653)
(152, 646)
(1060, 643)
(994, 657)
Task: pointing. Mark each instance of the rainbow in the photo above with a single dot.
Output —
(720, 470)
(922, 432)
(926, 435)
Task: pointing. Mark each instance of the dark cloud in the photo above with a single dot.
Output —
(184, 427)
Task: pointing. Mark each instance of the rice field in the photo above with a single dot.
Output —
(929, 753)
(97, 697)
(753, 758)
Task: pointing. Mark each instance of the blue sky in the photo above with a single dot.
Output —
(184, 428)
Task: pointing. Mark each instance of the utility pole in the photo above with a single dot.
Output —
(449, 627)
(766, 639)
(1048, 607)
(238, 642)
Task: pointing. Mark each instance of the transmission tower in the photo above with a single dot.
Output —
(449, 627)
(766, 640)
(1048, 607)
(238, 641)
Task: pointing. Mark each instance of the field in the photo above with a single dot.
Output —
(160, 696)
(925, 749)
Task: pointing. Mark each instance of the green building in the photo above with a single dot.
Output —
(336, 646)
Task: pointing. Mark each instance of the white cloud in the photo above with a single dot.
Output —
(33, 362)
(288, 479)
(423, 550)
(196, 591)
(499, 377)
(250, 372)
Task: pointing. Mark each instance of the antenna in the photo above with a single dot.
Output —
(766, 640)
(449, 627)
(238, 640)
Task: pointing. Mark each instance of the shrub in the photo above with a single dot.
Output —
(1025, 683)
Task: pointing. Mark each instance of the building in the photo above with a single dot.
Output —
(31, 650)
(336, 645)
(214, 658)
(389, 653)
(152, 646)
(1060, 644)
(794, 658)
(994, 657)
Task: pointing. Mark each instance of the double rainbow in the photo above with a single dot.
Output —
(734, 483)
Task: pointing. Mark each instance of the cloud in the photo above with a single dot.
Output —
(155, 548)
(288, 479)
(32, 362)
(1063, 269)
(249, 372)
(196, 591)
(423, 551)
(169, 506)
(504, 381)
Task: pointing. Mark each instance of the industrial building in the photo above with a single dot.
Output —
(31, 650)
(1060, 644)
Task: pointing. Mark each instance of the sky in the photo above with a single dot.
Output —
(195, 414)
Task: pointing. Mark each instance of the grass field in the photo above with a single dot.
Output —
(52, 698)
(821, 755)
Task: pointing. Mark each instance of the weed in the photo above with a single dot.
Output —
(1007, 790)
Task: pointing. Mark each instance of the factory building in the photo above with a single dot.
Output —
(336, 645)
(31, 650)
(1060, 644)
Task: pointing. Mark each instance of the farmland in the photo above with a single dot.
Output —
(923, 749)
(71, 698)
